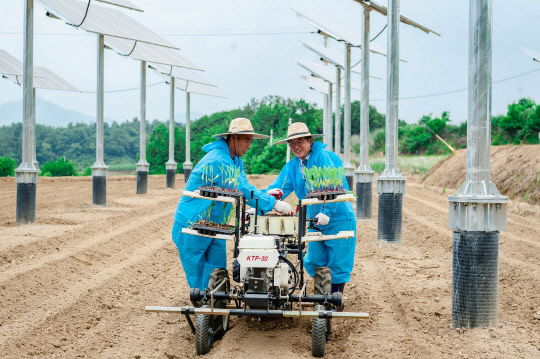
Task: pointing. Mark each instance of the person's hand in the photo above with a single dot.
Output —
(276, 192)
(251, 211)
(283, 207)
(322, 219)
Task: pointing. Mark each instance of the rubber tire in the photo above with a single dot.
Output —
(215, 278)
(323, 281)
(203, 333)
(323, 284)
(319, 334)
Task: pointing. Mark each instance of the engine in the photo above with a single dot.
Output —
(260, 266)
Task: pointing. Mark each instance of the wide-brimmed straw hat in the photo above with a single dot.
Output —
(297, 130)
(241, 126)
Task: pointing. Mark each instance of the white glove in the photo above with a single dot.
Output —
(251, 211)
(322, 219)
(276, 192)
(283, 207)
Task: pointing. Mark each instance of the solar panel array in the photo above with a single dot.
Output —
(321, 86)
(328, 55)
(151, 53)
(103, 20)
(383, 10)
(9, 65)
(122, 3)
(337, 32)
(181, 74)
(324, 72)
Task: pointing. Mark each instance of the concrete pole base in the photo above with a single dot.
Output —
(142, 182)
(171, 175)
(187, 173)
(364, 202)
(99, 190)
(188, 167)
(390, 217)
(475, 279)
(350, 181)
(26, 203)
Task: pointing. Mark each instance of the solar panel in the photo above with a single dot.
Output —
(198, 88)
(383, 10)
(9, 65)
(150, 53)
(330, 56)
(337, 32)
(326, 73)
(102, 20)
(51, 81)
(534, 55)
(181, 74)
(122, 3)
(322, 87)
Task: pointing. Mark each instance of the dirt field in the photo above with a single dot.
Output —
(75, 284)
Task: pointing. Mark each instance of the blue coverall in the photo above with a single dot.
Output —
(336, 254)
(200, 255)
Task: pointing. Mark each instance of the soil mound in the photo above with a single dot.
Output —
(515, 170)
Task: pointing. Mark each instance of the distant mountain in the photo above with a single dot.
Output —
(47, 113)
(50, 114)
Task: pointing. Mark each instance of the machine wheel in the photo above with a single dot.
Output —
(203, 333)
(323, 281)
(319, 334)
(323, 284)
(221, 322)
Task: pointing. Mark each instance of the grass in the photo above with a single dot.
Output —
(408, 164)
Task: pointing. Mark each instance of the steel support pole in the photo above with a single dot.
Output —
(364, 174)
(188, 166)
(349, 169)
(477, 212)
(288, 157)
(26, 175)
(391, 183)
(142, 165)
(325, 118)
(171, 164)
(271, 137)
(34, 157)
(99, 169)
(337, 127)
(329, 112)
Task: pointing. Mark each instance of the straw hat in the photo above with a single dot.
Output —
(296, 130)
(241, 126)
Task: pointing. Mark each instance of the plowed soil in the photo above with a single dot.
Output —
(75, 284)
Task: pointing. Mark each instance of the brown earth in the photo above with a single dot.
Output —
(515, 170)
(75, 284)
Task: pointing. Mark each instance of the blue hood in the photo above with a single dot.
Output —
(219, 144)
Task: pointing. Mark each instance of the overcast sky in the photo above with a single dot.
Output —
(224, 37)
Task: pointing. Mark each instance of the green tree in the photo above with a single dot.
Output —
(7, 166)
(60, 167)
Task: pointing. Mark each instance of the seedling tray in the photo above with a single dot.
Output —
(211, 231)
(216, 192)
(325, 196)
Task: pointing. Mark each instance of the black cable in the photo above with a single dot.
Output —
(379, 33)
(296, 276)
(123, 90)
(85, 13)
(462, 90)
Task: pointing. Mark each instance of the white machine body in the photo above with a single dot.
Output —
(260, 251)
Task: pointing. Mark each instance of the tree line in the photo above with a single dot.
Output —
(76, 142)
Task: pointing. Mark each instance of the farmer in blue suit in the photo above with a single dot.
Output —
(200, 255)
(337, 254)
